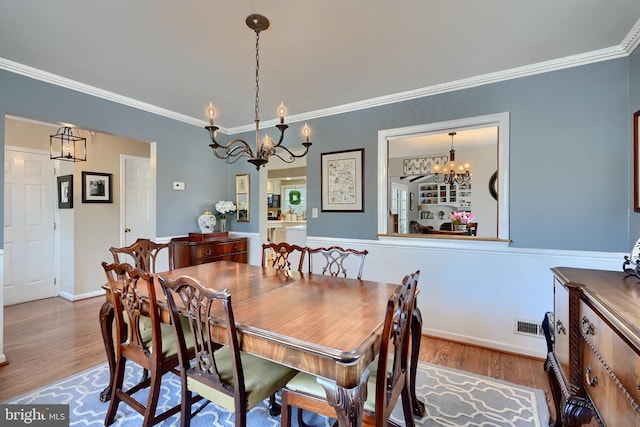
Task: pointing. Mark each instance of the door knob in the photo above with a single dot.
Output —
(127, 230)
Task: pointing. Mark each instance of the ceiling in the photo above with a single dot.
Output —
(319, 57)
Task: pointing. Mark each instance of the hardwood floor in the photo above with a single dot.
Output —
(51, 339)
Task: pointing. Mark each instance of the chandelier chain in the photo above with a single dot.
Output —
(257, 75)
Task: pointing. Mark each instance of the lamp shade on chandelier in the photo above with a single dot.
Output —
(265, 148)
(452, 172)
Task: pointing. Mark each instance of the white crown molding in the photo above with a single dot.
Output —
(628, 45)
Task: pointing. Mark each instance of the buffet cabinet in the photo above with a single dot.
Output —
(594, 341)
(198, 248)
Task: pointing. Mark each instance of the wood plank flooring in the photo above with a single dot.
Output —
(50, 339)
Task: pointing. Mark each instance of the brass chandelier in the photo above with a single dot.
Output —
(237, 148)
(451, 172)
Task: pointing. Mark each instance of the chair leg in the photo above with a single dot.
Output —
(118, 379)
(301, 422)
(285, 419)
(274, 408)
(152, 400)
(407, 407)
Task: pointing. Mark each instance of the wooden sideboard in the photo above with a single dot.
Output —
(198, 248)
(594, 362)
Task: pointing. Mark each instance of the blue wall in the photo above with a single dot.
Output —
(569, 163)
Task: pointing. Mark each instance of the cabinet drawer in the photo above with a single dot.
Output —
(612, 406)
(214, 249)
(561, 326)
(621, 359)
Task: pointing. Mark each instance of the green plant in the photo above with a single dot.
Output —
(295, 197)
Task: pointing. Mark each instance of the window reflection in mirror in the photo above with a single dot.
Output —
(418, 202)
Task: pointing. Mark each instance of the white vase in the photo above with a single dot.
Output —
(207, 222)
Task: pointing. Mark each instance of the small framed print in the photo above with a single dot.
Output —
(342, 181)
(65, 192)
(96, 187)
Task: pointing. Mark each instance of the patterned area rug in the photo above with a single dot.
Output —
(451, 397)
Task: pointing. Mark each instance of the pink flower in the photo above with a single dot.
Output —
(461, 217)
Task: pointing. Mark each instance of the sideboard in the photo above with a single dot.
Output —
(200, 248)
(594, 341)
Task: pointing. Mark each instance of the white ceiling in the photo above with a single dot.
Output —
(319, 57)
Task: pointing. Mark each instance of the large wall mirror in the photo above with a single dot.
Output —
(242, 198)
(413, 200)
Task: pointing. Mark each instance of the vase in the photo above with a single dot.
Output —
(460, 227)
(223, 223)
(207, 222)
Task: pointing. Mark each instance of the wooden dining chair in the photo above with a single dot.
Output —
(280, 253)
(388, 380)
(220, 372)
(447, 226)
(472, 228)
(143, 340)
(334, 259)
(144, 254)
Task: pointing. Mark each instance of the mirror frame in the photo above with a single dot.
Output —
(242, 190)
(636, 161)
(501, 120)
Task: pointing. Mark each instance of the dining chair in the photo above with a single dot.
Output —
(472, 228)
(143, 340)
(277, 255)
(144, 254)
(334, 260)
(220, 372)
(447, 226)
(383, 390)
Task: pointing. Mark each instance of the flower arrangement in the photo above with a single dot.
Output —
(224, 207)
(461, 217)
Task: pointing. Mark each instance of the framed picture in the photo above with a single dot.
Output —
(412, 201)
(636, 161)
(65, 192)
(96, 187)
(342, 181)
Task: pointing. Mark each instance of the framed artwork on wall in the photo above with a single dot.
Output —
(342, 181)
(636, 162)
(65, 192)
(96, 187)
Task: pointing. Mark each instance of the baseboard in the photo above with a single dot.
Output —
(71, 297)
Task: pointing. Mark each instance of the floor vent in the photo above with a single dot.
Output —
(528, 327)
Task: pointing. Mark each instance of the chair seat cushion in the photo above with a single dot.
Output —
(169, 342)
(262, 378)
(307, 383)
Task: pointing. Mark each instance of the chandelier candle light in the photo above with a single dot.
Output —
(237, 148)
(452, 172)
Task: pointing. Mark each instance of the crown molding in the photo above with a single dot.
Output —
(628, 45)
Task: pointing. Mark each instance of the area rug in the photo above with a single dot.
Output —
(451, 397)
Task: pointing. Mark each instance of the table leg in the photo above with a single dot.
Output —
(106, 325)
(416, 334)
(348, 402)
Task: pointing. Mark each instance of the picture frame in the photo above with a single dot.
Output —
(412, 201)
(342, 181)
(636, 161)
(97, 187)
(243, 200)
(65, 192)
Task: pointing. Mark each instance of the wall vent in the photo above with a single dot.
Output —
(528, 327)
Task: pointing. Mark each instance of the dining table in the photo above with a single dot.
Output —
(327, 326)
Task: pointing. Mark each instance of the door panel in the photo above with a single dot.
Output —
(28, 227)
(138, 210)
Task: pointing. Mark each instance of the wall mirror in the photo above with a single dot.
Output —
(411, 201)
(636, 161)
(242, 198)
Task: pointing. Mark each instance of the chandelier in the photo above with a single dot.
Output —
(266, 148)
(64, 145)
(452, 172)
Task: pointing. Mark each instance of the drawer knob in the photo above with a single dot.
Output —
(587, 327)
(560, 328)
(592, 381)
(207, 253)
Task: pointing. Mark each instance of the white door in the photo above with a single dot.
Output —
(138, 204)
(28, 227)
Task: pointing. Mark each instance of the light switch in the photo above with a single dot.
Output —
(177, 185)
(314, 212)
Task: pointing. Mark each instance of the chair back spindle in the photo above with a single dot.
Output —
(335, 258)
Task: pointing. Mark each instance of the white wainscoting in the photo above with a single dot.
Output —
(471, 292)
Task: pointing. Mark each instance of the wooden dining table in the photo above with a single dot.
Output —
(324, 325)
